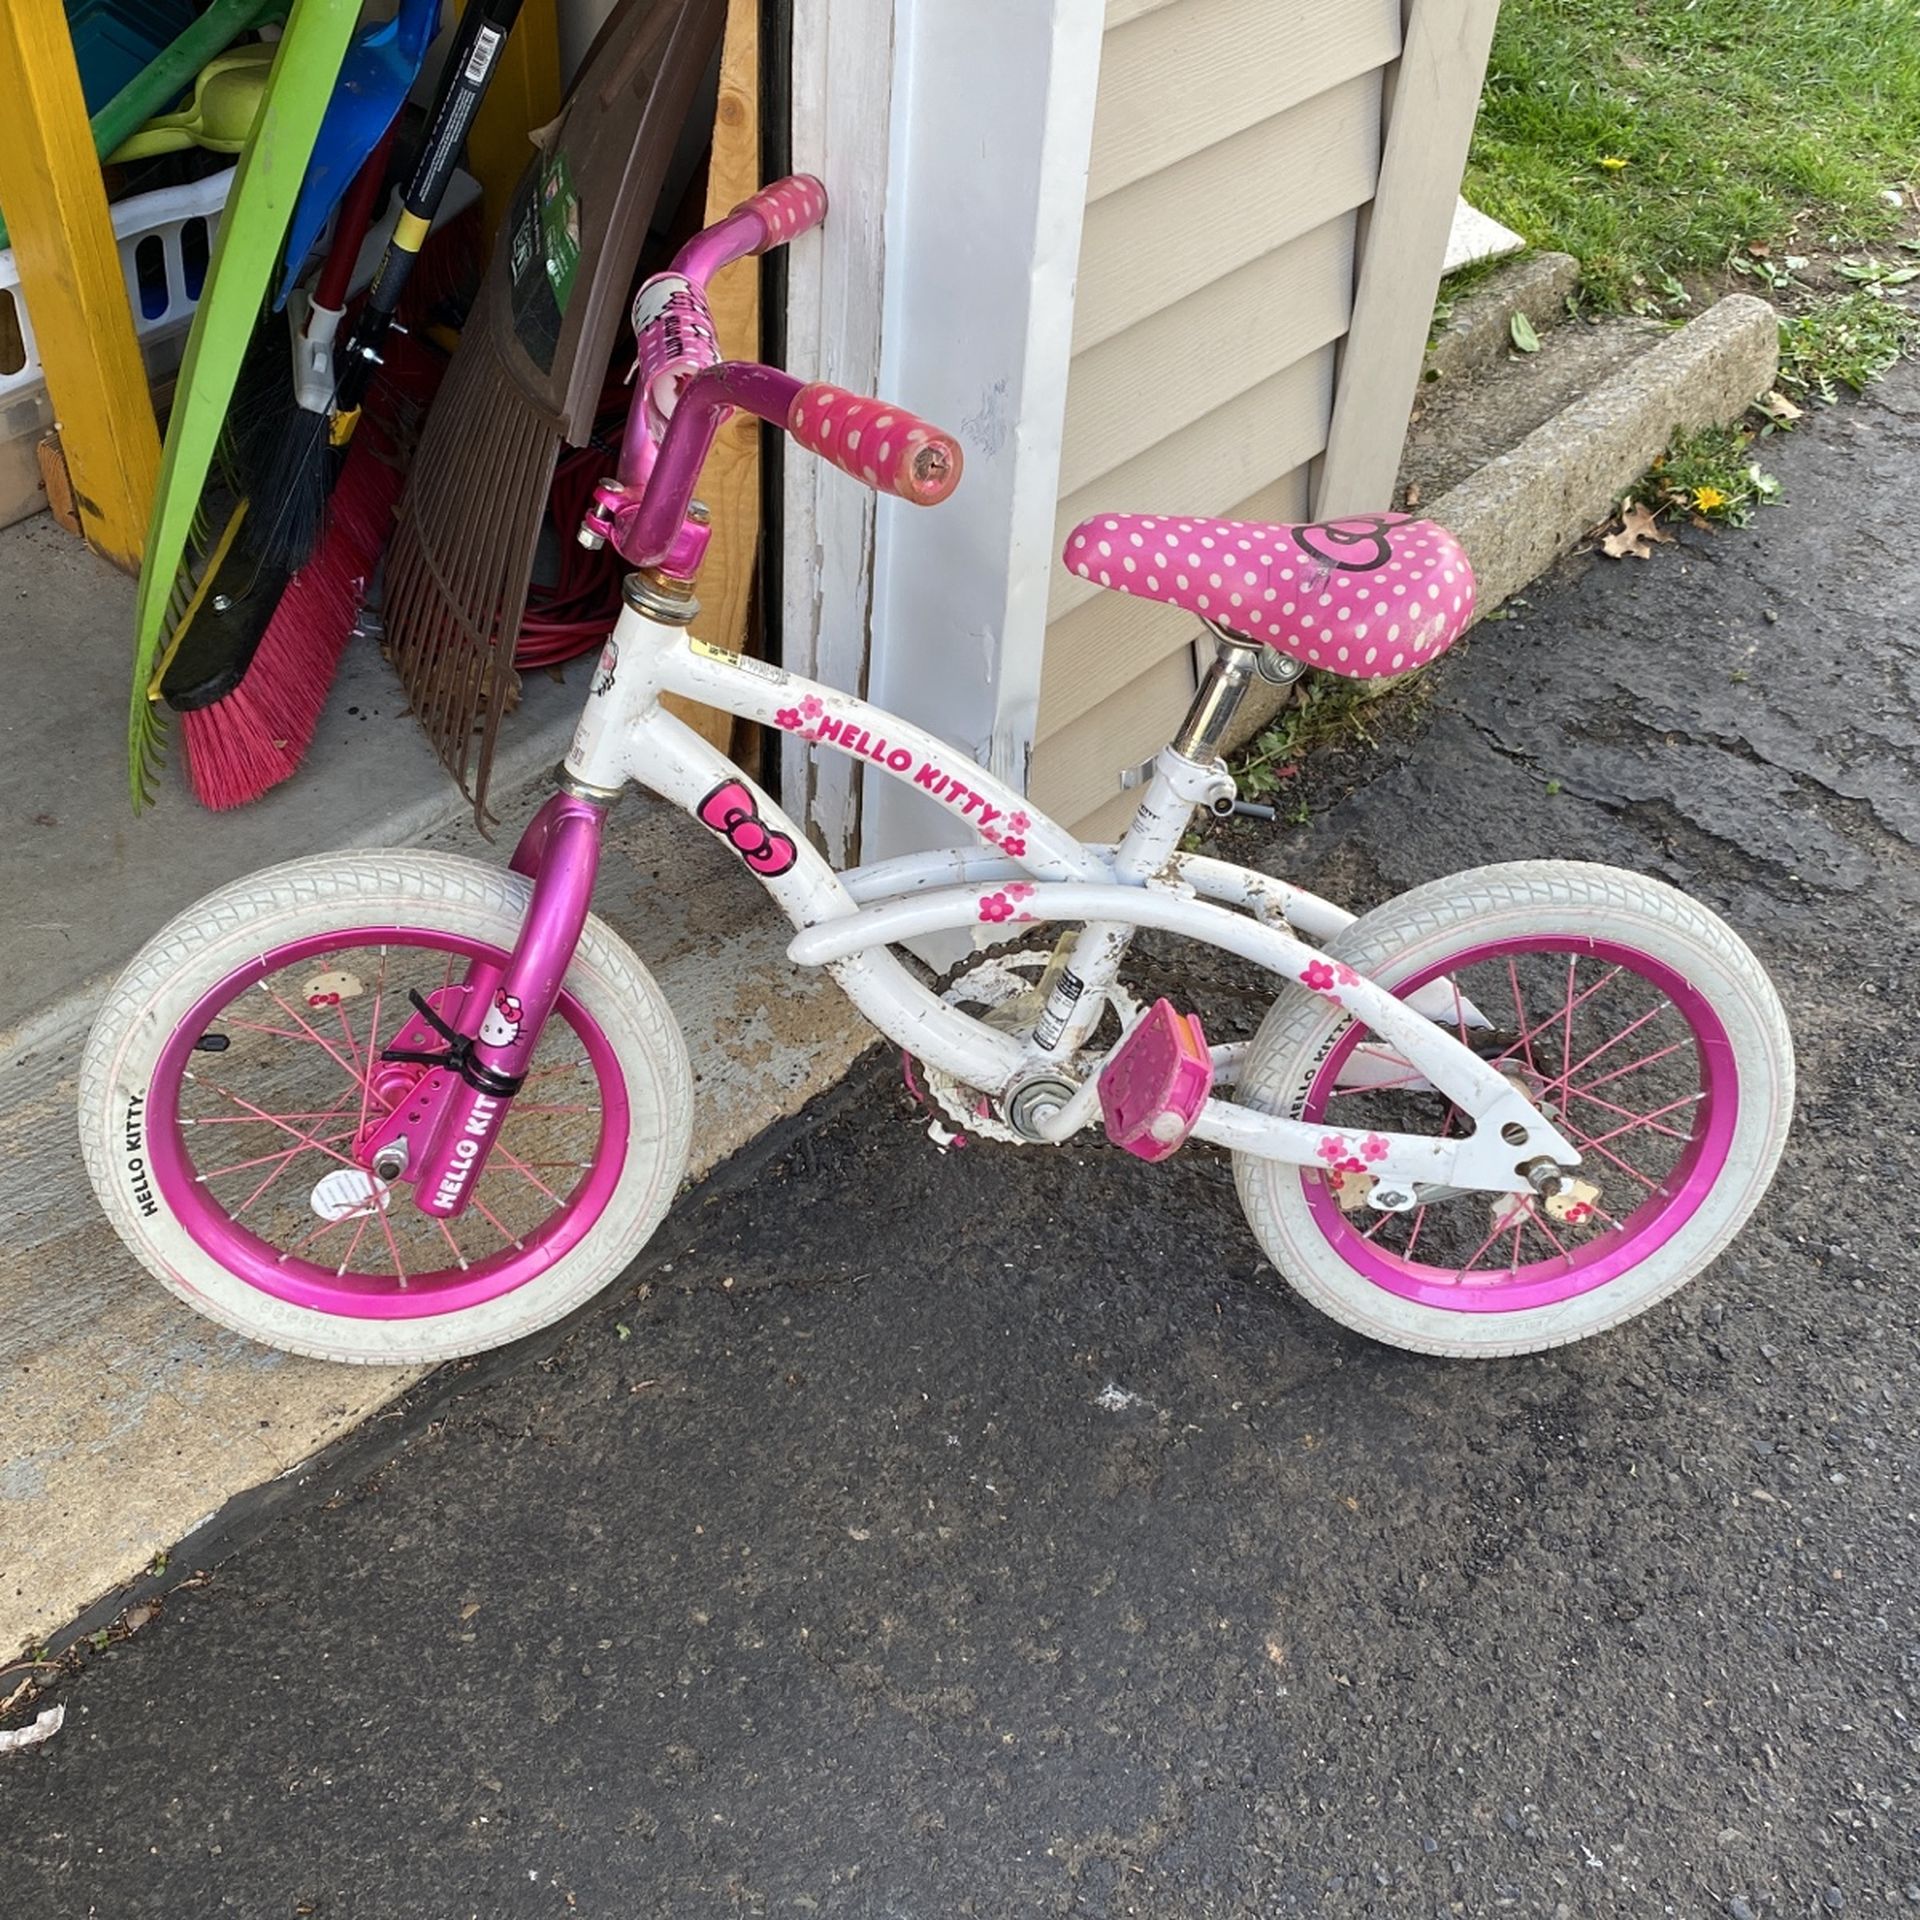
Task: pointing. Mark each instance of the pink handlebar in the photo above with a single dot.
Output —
(786, 209)
(686, 390)
(882, 445)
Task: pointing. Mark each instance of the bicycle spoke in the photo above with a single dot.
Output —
(1635, 1126)
(352, 1072)
(1520, 1012)
(373, 1040)
(1645, 1060)
(260, 1113)
(1627, 1113)
(1526, 1039)
(353, 1247)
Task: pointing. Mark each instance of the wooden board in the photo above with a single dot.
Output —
(1430, 115)
(71, 279)
(523, 94)
(730, 484)
(842, 120)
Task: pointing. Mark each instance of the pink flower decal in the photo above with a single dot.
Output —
(1345, 975)
(1373, 1147)
(812, 707)
(1019, 821)
(1020, 890)
(996, 907)
(1014, 845)
(1318, 976)
(789, 717)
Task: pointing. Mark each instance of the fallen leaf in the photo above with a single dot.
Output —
(1776, 406)
(1413, 494)
(1640, 531)
(470, 1609)
(137, 1617)
(1524, 337)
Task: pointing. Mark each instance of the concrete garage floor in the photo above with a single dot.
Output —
(992, 1535)
(125, 1419)
(85, 878)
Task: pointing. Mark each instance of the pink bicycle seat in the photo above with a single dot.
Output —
(1367, 598)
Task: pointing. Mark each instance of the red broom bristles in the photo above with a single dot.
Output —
(257, 735)
(251, 739)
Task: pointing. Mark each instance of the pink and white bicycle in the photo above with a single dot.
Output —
(400, 1106)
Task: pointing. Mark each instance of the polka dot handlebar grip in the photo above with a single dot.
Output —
(787, 209)
(881, 445)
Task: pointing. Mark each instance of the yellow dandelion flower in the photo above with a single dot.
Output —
(1707, 499)
(1612, 162)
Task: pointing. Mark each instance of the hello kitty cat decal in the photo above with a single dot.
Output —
(501, 1027)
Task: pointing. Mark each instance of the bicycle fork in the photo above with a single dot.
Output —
(476, 1038)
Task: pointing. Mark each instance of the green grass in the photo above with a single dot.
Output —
(1710, 475)
(1848, 340)
(1739, 121)
(1325, 711)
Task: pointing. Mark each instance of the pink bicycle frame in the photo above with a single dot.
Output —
(685, 393)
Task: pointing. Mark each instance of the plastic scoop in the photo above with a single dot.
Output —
(220, 116)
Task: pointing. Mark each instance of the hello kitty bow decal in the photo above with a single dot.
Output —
(733, 813)
(1351, 546)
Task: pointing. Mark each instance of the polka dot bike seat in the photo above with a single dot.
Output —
(1367, 598)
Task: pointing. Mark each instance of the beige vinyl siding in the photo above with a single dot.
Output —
(1235, 145)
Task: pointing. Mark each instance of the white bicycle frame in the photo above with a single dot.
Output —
(846, 922)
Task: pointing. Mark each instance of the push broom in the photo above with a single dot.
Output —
(296, 467)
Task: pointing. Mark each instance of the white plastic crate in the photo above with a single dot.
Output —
(166, 241)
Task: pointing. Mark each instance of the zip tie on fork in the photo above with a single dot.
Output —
(458, 1056)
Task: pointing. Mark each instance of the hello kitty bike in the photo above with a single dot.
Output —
(400, 1106)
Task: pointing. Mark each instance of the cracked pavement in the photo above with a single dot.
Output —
(992, 1534)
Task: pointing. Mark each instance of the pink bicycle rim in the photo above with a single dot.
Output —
(1541, 1283)
(301, 1282)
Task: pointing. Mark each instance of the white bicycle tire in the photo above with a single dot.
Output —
(1413, 931)
(437, 892)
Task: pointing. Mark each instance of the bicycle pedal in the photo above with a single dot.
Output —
(1158, 1080)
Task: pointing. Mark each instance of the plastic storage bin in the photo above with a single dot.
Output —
(165, 240)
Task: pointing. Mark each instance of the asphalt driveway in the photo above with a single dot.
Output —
(993, 1534)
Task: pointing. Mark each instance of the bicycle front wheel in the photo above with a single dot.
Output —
(1634, 1018)
(236, 1063)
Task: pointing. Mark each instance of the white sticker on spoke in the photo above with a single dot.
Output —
(347, 1192)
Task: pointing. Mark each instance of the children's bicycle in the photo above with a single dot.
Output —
(400, 1106)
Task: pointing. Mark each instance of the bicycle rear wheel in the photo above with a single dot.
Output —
(233, 1076)
(1637, 1020)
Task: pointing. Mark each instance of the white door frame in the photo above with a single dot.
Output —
(954, 137)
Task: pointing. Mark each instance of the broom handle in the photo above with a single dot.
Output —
(471, 63)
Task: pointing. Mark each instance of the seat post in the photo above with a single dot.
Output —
(1218, 698)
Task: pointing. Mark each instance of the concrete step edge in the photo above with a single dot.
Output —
(1479, 329)
(1530, 506)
